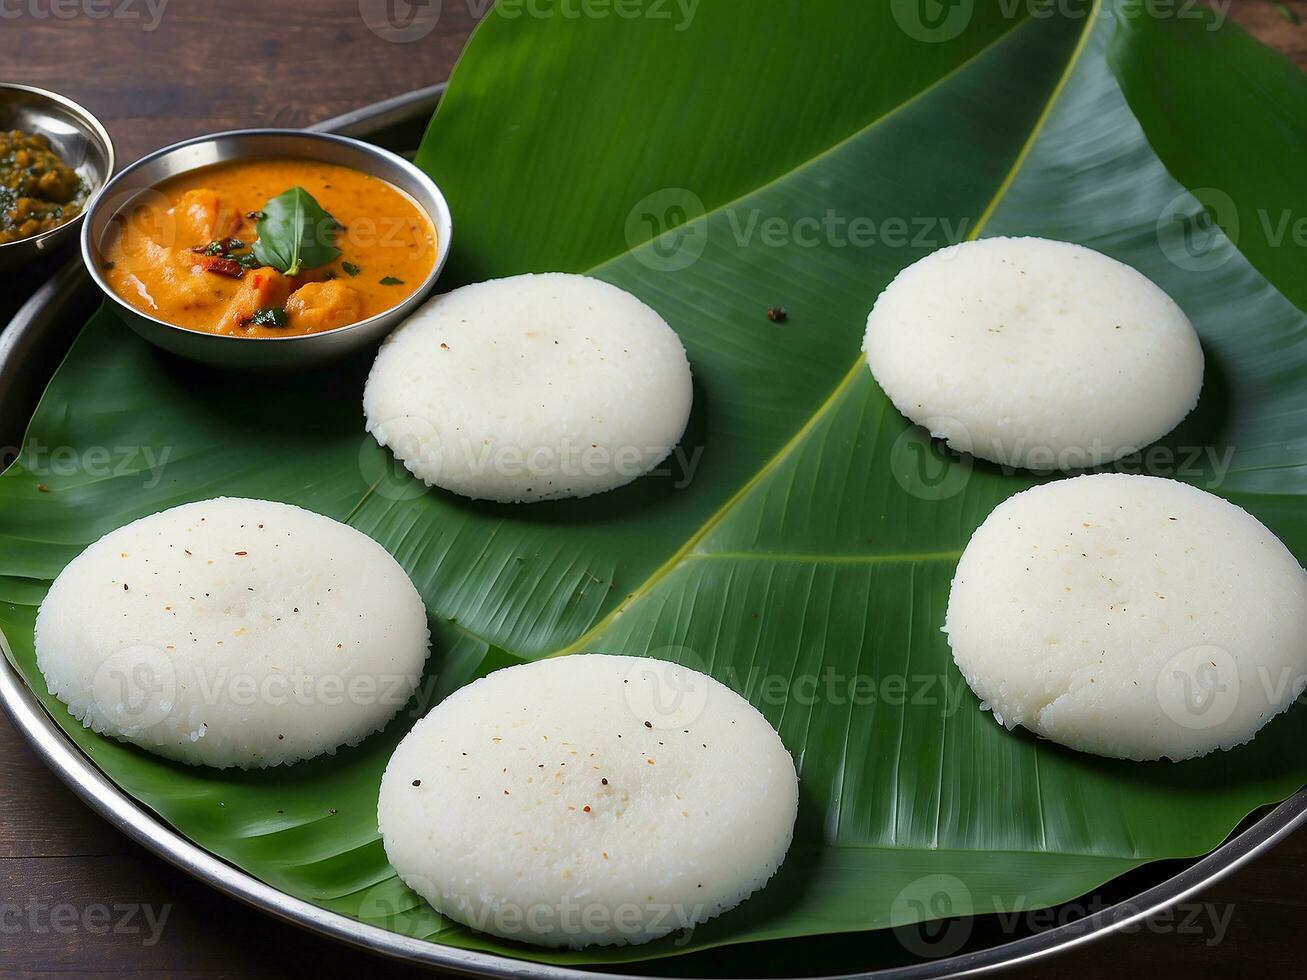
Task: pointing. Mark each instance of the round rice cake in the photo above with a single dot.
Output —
(589, 799)
(1034, 353)
(1129, 616)
(530, 388)
(233, 632)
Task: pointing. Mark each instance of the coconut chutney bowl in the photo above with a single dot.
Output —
(81, 143)
(284, 286)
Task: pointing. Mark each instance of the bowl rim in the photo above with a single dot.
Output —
(98, 133)
(443, 240)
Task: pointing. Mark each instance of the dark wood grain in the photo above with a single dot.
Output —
(214, 65)
(228, 65)
(1281, 25)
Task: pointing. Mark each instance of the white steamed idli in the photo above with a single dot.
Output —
(233, 632)
(530, 388)
(589, 799)
(1034, 353)
(1129, 616)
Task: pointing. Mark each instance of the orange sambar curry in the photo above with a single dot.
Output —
(185, 253)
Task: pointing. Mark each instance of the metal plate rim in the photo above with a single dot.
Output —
(85, 779)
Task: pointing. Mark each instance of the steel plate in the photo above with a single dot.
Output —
(31, 347)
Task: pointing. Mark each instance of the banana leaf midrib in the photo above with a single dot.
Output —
(855, 371)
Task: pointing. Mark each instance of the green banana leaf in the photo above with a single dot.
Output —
(718, 160)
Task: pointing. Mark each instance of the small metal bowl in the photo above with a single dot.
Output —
(289, 353)
(81, 142)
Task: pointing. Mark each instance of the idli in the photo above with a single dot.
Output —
(589, 799)
(530, 388)
(1034, 353)
(233, 632)
(1129, 616)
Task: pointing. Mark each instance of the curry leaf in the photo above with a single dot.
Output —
(295, 233)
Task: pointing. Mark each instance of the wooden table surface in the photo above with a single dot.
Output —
(68, 882)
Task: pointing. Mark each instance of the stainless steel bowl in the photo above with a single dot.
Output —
(289, 353)
(80, 140)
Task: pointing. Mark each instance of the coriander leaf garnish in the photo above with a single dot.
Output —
(295, 233)
(269, 316)
(350, 268)
(392, 281)
(220, 246)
